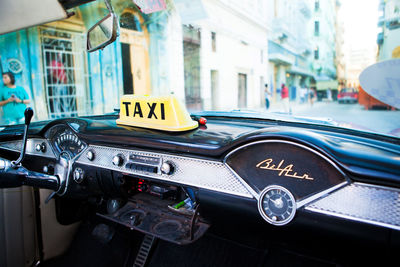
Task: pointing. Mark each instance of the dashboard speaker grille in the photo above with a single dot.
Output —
(361, 202)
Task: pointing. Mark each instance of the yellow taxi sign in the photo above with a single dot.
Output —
(161, 113)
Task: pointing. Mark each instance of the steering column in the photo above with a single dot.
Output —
(13, 174)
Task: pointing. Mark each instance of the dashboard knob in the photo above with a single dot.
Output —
(48, 169)
(117, 160)
(78, 175)
(40, 147)
(167, 168)
(90, 155)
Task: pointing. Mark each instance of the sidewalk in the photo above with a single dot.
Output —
(294, 106)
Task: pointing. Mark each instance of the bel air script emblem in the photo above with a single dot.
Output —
(285, 171)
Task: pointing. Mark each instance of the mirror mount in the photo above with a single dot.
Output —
(109, 6)
(104, 32)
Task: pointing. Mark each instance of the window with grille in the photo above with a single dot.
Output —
(316, 5)
(213, 41)
(316, 28)
(316, 53)
(63, 59)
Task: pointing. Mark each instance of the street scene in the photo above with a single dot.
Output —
(201, 133)
(366, 120)
(300, 58)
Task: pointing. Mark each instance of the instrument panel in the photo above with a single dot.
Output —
(283, 177)
(63, 139)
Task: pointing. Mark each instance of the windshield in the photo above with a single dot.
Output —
(295, 59)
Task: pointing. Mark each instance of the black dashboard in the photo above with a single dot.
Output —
(280, 174)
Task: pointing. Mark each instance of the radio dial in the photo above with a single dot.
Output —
(90, 155)
(40, 147)
(117, 160)
(167, 168)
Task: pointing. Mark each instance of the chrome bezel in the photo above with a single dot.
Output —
(265, 216)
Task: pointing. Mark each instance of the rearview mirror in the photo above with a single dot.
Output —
(102, 33)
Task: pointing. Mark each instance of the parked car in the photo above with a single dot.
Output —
(348, 95)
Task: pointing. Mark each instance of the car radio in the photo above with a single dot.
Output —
(142, 163)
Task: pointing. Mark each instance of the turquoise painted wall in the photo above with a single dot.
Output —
(22, 45)
(103, 68)
(103, 72)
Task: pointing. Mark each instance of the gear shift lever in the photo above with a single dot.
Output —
(12, 174)
(28, 116)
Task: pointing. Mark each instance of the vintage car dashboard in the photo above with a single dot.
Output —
(280, 173)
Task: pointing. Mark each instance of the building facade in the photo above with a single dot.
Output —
(63, 80)
(225, 55)
(340, 61)
(289, 47)
(209, 54)
(324, 26)
(389, 37)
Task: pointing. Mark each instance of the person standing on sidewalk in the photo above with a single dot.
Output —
(267, 95)
(285, 98)
(313, 96)
(13, 99)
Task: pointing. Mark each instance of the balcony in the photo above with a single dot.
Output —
(381, 21)
(280, 59)
(381, 5)
(279, 55)
(393, 24)
(304, 9)
(379, 40)
(280, 29)
(392, 16)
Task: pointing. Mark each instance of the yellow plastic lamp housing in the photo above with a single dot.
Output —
(161, 113)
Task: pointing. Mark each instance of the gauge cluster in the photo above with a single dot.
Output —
(64, 139)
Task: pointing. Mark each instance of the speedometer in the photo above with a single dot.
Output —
(68, 142)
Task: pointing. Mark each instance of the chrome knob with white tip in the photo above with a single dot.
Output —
(167, 168)
(118, 160)
(90, 155)
(78, 175)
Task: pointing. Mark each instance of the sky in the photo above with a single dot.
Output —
(360, 18)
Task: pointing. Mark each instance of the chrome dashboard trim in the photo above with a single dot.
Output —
(366, 203)
(30, 147)
(310, 199)
(246, 185)
(201, 173)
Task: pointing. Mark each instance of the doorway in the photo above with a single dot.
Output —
(242, 90)
(191, 56)
(134, 40)
(127, 69)
(214, 89)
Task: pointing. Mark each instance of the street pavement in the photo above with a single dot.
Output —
(348, 115)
